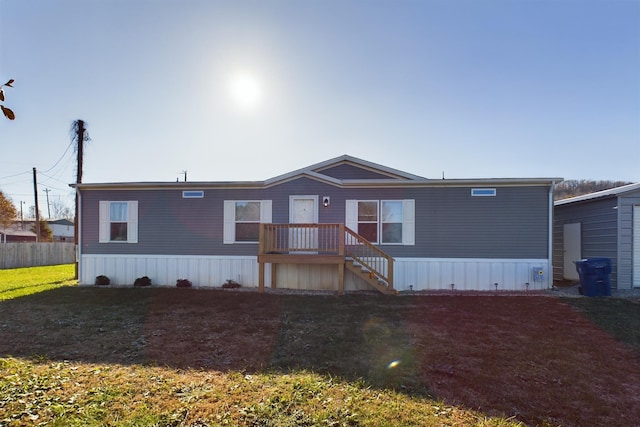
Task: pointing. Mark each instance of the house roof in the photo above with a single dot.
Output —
(389, 178)
(17, 230)
(612, 192)
(62, 221)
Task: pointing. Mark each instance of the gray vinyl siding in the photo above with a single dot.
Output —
(599, 232)
(449, 222)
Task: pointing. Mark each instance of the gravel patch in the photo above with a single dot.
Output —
(574, 290)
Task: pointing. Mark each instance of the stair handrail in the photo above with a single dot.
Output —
(371, 257)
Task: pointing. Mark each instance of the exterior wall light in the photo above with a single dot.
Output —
(326, 200)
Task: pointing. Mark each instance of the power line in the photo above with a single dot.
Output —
(48, 170)
(54, 178)
(61, 157)
(17, 174)
(16, 182)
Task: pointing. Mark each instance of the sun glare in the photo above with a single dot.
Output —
(245, 91)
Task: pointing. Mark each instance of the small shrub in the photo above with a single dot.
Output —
(102, 280)
(142, 281)
(231, 284)
(183, 283)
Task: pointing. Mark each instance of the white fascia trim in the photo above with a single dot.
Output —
(306, 174)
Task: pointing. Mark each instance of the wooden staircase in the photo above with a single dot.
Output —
(325, 244)
(371, 277)
(368, 262)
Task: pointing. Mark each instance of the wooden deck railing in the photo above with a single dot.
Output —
(301, 238)
(326, 239)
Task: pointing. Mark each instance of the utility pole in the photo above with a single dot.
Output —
(35, 195)
(185, 175)
(46, 190)
(80, 138)
(21, 216)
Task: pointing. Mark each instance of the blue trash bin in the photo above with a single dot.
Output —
(594, 276)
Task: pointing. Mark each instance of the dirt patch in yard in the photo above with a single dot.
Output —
(536, 358)
(220, 330)
(533, 358)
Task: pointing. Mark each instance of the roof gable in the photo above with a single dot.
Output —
(348, 168)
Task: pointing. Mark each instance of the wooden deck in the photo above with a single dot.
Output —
(324, 244)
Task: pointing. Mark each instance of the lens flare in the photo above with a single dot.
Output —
(393, 364)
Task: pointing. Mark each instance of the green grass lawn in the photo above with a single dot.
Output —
(619, 317)
(94, 356)
(26, 281)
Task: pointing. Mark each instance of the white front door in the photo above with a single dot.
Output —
(572, 250)
(303, 210)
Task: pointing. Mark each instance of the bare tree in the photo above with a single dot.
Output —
(60, 210)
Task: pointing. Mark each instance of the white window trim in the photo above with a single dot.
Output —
(408, 220)
(105, 221)
(229, 219)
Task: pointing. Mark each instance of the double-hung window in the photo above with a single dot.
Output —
(242, 220)
(118, 221)
(368, 220)
(247, 218)
(391, 221)
(382, 221)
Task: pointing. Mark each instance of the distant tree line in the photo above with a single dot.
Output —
(578, 187)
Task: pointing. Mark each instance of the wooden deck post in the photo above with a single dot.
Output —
(261, 277)
(260, 263)
(273, 275)
(341, 279)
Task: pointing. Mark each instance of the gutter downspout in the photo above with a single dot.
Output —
(550, 238)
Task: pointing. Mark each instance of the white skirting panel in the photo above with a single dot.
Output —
(164, 270)
(471, 274)
(409, 273)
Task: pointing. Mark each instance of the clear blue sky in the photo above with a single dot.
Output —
(474, 88)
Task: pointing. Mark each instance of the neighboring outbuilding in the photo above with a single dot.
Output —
(604, 224)
(62, 230)
(17, 233)
(344, 224)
